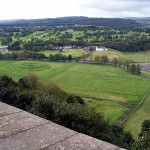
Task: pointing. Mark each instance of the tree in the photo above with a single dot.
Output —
(41, 56)
(21, 55)
(57, 57)
(1, 55)
(104, 59)
(7, 55)
(14, 55)
(126, 64)
(70, 57)
(24, 99)
(8, 90)
(14, 46)
(138, 69)
(143, 142)
(6, 40)
(30, 82)
(132, 68)
(64, 57)
(120, 63)
(97, 59)
(91, 49)
(115, 61)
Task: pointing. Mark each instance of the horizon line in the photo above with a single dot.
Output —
(68, 17)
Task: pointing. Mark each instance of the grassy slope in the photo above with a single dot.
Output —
(133, 124)
(134, 56)
(110, 109)
(114, 88)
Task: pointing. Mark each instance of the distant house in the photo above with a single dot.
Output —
(67, 47)
(90, 48)
(57, 47)
(97, 48)
(101, 48)
(3, 48)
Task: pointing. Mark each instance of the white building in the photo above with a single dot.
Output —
(67, 47)
(3, 48)
(101, 48)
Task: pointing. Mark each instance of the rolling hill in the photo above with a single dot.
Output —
(63, 21)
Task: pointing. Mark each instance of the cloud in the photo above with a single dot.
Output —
(120, 8)
(28, 9)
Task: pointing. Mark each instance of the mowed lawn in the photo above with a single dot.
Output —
(133, 124)
(109, 89)
(132, 56)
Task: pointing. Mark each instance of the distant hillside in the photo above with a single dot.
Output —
(63, 21)
(143, 21)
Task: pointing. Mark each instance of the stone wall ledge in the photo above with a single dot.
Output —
(20, 130)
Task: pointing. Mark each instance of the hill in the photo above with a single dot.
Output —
(71, 21)
(145, 21)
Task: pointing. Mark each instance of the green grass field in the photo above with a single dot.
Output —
(108, 89)
(74, 52)
(146, 73)
(110, 109)
(133, 124)
(36, 34)
(133, 56)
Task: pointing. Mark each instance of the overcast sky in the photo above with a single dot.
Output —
(28, 9)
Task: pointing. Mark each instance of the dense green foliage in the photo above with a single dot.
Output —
(22, 55)
(132, 68)
(143, 142)
(131, 40)
(36, 38)
(101, 59)
(35, 56)
(50, 102)
(129, 46)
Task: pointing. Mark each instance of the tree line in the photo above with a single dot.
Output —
(126, 65)
(129, 46)
(35, 56)
(38, 44)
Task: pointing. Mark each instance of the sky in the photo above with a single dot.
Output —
(33, 9)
